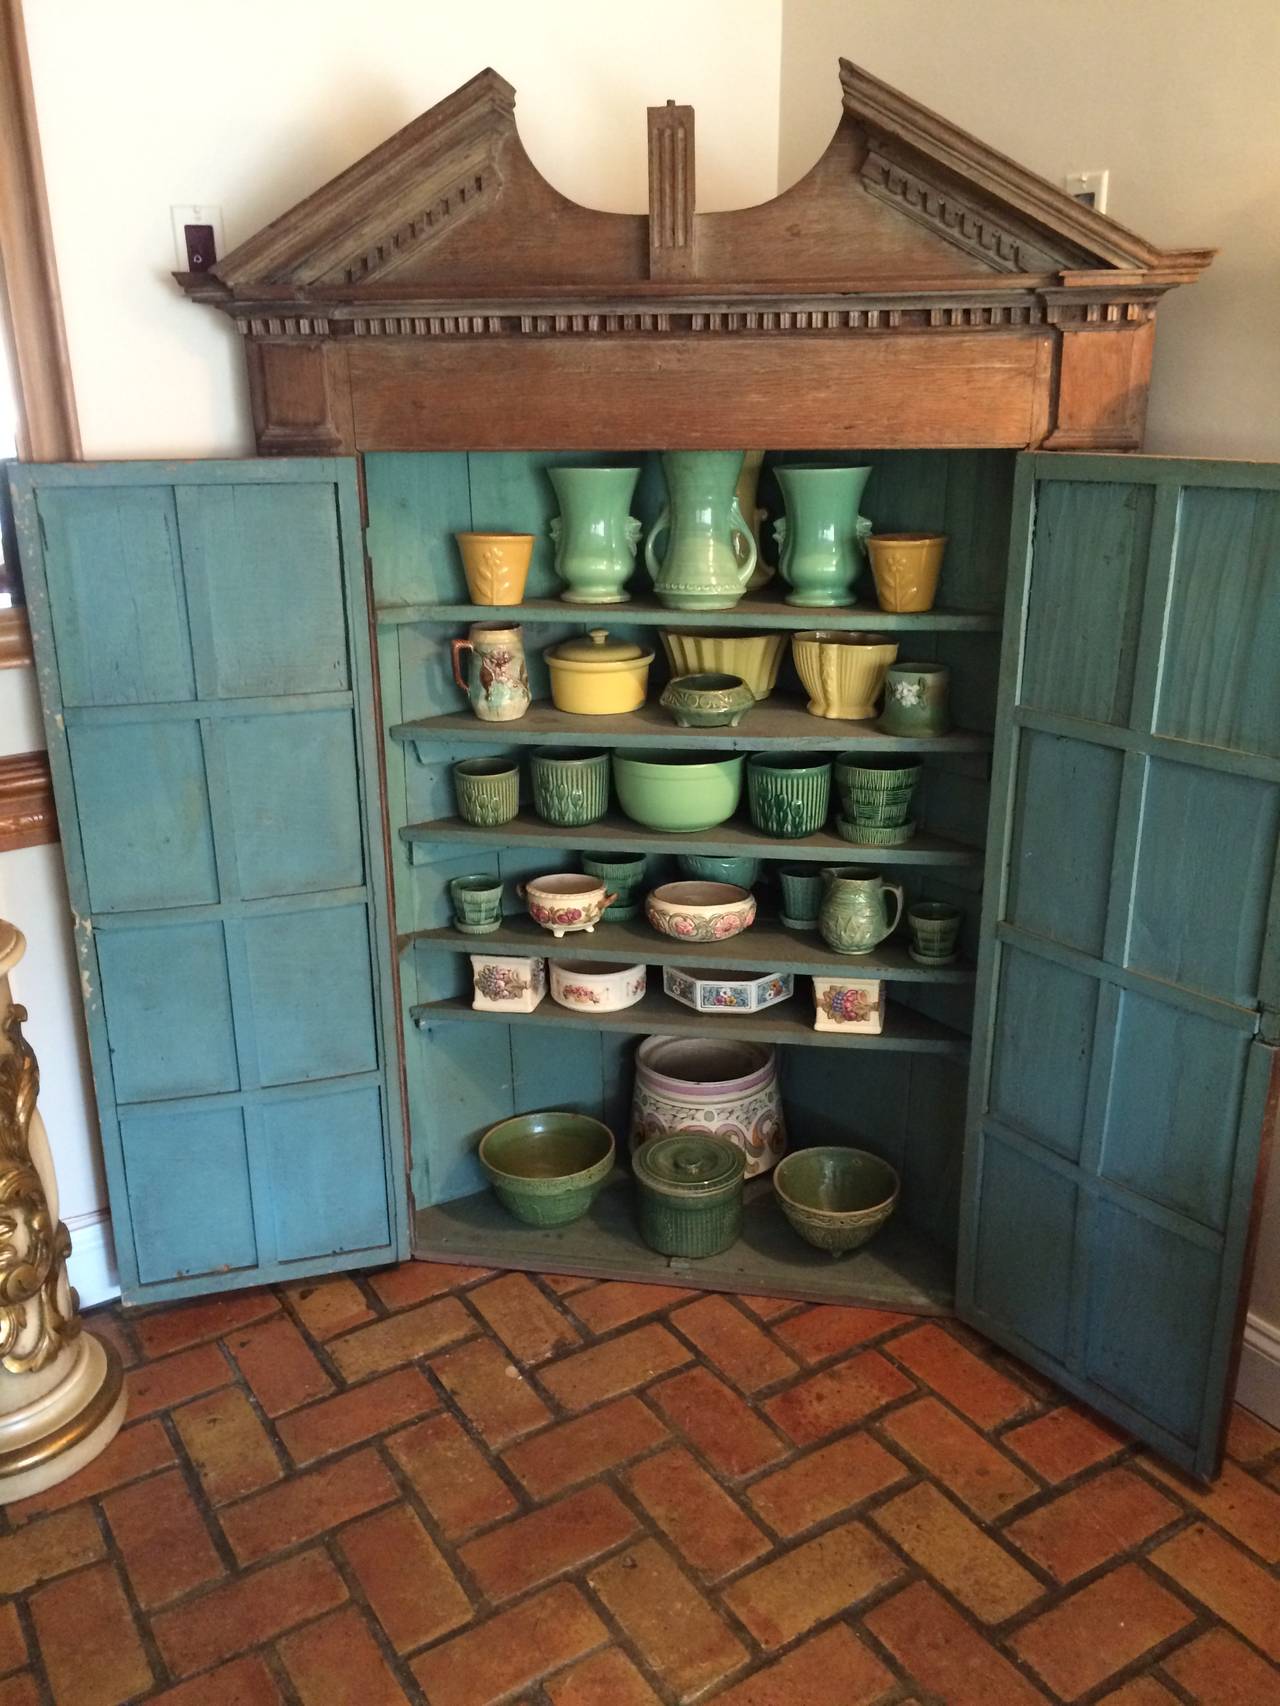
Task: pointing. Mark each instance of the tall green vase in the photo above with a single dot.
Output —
(711, 550)
(820, 539)
(595, 534)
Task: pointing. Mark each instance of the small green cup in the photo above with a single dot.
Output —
(622, 874)
(801, 896)
(477, 904)
(915, 699)
(487, 790)
(934, 928)
(788, 796)
(570, 785)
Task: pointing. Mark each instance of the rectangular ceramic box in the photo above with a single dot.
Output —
(849, 1004)
(506, 983)
(707, 993)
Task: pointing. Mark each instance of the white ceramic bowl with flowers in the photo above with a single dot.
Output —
(565, 901)
(700, 912)
(594, 986)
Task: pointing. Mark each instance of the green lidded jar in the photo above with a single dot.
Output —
(690, 1193)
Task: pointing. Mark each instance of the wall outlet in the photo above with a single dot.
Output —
(1089, 188)
(197, 237)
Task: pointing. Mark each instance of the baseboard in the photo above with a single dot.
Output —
(1258, 1385)
(92, 1267)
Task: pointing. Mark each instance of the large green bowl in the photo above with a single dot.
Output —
(674, 792)
(546, 1168)
(835, 1198)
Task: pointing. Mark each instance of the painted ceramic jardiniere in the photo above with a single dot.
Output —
(566, 901)
(504, 983)
(595, 676)
(934, 927)
(849, 1004)
(906, 568)
(754, 657)
(916, 699)
(570, 785)
(496, 565)
(720, 992)
(624, 875)
(595, 534)
(497, 681)
(477, 904)
(487, 790)
(707, 701)
(710, 550)
(678, 792)
(843, 674)
(801, 896)
(728, 1089)
(738, 868)
(700, 912)
(545, 1168)
(835, 1198)
(788, 796)
(820, 539)
(592, 986)
(689, 1194)
(854, 917)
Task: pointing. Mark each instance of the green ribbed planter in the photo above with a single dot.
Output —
(787, 797)
(487, 790)
(570, 788)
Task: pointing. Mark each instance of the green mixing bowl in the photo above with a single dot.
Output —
(835, 1198)
(674, 792)
(546, 1168)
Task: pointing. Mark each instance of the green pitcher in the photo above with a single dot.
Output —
(820, 539)
(595, 534)
(854, 916)
(711, 552)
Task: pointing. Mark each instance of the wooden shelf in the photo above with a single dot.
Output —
(779, 721)
(766, 946)
(657, 1014)
(616, 831)
(647, 612)
(900, 1269)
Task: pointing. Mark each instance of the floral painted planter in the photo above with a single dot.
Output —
(725, 1089)
(505, 984)
(566, 901)
(849, 1004)
(592, 986)
(712, 992)
(700, 912)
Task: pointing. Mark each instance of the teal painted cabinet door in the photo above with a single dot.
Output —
(1129, 980)
(201, 640)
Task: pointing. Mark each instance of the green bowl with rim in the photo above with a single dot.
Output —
(547, 1167)
(836, 1198)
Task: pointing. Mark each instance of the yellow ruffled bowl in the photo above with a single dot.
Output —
(843, 674)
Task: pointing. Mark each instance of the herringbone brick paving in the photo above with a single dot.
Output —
(444, 1485)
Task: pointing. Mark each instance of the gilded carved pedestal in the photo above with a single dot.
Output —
(61, 1391)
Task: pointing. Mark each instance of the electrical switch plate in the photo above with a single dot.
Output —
(1089, 188)
(192, 227)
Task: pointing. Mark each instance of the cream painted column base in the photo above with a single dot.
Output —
(55, 1435)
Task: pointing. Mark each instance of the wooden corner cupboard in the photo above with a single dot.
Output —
(251, 720)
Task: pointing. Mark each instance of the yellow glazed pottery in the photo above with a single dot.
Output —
(843, 674)
(496, 565)
(754, 657)
(594, 676)
(905, 566)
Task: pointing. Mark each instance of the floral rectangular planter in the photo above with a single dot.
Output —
(506, 984)
(849, 1004)
(711, 992)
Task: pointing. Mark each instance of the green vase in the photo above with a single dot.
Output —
(820, 539)
(711, 551)
(595, 533)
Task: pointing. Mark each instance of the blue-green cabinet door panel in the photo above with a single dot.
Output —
(201, 634)
(1129, 979)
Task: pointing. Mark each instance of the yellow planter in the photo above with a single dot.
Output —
(496, 565)
(596, 676)
(843, 674)
(754, 657)
(906, 566)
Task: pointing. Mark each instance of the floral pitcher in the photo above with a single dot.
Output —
(854, 916)
(498, 678)
(711, 551)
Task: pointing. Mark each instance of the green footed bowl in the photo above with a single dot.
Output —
(547, 1167)
(835, 1198)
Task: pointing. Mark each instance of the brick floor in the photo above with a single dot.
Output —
(437, 1486)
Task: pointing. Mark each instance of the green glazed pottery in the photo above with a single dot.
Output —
(570, 785)
(487, 790)
(737, 868)
(595, 534)
(801, 896)
(835, 1198)
(934, 928)
(821, 538)
(546, 1168)
(707, 701)
(689, 1193)
(711, 551)
(854, 917)
(876, 834)
(678, 792)
(915, 699)
(623, 874)
(875, 791)
(788, 796)
(477, 904)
